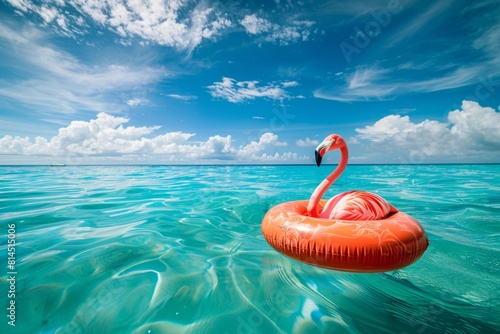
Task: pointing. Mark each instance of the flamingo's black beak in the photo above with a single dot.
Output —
(318, 157)
(321, 150)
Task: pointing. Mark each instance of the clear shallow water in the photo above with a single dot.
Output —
(173, 249)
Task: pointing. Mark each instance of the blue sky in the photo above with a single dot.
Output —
(248, 81)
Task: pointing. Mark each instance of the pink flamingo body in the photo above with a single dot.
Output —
(351, 205)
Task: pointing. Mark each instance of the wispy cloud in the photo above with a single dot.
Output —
(487, 40)
(238, 91)
(403, 111)
(433, 58)
(376, 83)
(183, 97)
(52, 81)
(136, 102)
(416, 25)
(354, 9)
(364, 84)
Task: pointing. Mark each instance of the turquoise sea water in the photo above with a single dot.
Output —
(178, 249)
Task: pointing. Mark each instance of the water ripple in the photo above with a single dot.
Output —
(155, 249)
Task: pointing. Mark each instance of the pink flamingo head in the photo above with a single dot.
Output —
(330, 143)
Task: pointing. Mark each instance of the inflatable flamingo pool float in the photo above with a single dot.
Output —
(355, 231)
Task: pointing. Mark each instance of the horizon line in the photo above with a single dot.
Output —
(247, 164)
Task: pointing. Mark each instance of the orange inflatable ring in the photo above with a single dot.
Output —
(346, 245)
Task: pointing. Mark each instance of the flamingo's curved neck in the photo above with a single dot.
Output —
(312, 207)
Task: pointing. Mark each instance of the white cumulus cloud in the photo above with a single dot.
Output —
(268, 138)
(109, 137)
(262, 150)
(472, 131)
